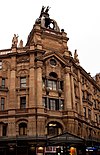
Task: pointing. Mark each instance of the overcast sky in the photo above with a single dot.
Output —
(79, 18)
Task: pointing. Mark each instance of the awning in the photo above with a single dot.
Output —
(65, 138)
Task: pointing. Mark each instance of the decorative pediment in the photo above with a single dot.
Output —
(22, 72)
(56, 56)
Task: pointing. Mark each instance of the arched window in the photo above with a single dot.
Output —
(54, 128)
(53, 75)
(22, 129)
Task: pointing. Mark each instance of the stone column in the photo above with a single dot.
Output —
(31, 82)
(67, 90)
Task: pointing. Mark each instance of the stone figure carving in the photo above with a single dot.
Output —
(47, 9)
(42, 10)
(15, 40)
(76, 57)
(21, 43)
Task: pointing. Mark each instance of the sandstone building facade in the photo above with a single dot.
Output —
(44, 92)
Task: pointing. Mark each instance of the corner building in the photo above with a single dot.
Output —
(47, 100)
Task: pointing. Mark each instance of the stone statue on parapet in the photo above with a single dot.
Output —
(21, 44)
(76, 57)
(15, 40)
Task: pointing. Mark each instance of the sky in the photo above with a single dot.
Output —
(79, 18)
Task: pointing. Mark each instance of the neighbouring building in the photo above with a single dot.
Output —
(48, 102)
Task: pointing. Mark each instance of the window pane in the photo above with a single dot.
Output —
(3, 83)
(2, 103)
(4, 130)
(50, 84)
(23, 102)
(23, 82)
(52, 104)
(54, 85)
(22, 129)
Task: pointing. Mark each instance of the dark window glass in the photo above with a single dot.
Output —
(23, 129)
(23, 82)
(22, 102)
(3, 83)
(2, 103)
(54, 129)
(4, 130)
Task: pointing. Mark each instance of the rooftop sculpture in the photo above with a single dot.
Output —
(46, 21)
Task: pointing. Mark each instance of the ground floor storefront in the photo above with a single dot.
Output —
(50, 150)
(64, 144)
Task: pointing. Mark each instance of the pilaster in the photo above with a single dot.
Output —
(67, 89)
(80, 93)
(31, 82)
(12, 93)
(39, 84)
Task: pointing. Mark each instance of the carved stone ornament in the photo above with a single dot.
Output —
(23, 59)
(15, 40)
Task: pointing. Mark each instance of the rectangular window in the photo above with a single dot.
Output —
(0, 64)
(22, 102)
(2, 104)
(52, 84)
(23, 82)
(3, 83)
(52, 104)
